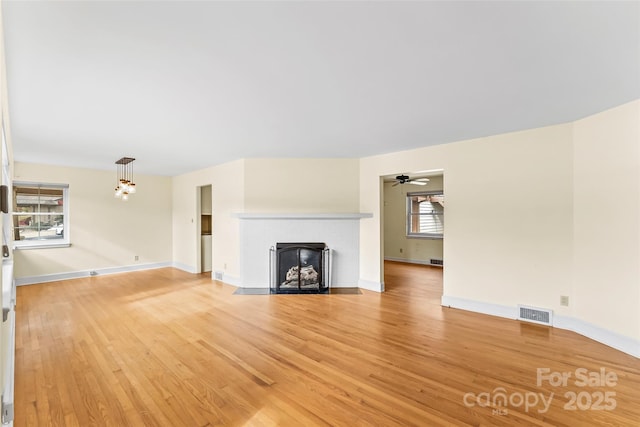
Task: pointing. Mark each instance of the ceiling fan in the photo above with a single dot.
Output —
(405, 179)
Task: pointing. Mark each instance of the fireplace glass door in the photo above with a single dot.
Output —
(300, 268)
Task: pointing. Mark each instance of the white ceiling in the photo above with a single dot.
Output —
(186, 85)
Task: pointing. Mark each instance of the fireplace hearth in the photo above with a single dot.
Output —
(299, 268)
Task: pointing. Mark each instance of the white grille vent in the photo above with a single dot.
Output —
(535, 315)
(217, 275)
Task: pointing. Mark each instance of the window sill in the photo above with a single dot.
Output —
(41, 246)
(420, 236)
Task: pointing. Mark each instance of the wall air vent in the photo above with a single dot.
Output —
(535, 315)
(218, 275)
(434, 261)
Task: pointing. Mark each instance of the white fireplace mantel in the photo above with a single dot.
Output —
(302, 215)
(260, 231)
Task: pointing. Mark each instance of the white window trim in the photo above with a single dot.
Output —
(41, 244)
(410, 234)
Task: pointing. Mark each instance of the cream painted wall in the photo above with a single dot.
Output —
(227, 190)
(256, 185)
(511, 252)
(544, 232)
(301, 185)
(104, 231)
(395, 225)
(607, 219)
(518, 248)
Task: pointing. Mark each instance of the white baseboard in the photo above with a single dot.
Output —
(480, 307)
(45, 278)
(612, 339)
(604, 336)
(185, 267)
(232, 280)
(371, 285)
(412, 261)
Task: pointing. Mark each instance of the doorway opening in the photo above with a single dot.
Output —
(413, 225)
(204, 229)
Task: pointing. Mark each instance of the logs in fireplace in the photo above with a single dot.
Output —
(300, 268)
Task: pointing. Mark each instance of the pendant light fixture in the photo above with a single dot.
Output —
(125, 184)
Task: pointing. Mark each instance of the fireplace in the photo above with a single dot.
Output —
(300, 268)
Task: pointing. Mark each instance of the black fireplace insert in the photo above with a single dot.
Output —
(300, 268)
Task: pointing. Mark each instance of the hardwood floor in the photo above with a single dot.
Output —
(167, 348)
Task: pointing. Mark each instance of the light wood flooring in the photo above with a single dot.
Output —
(167, 348)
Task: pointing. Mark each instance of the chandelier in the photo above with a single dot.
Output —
(125, 185)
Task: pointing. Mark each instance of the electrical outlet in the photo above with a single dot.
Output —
(564, 300)
(225, 265)
(400, 250)
(136, 258)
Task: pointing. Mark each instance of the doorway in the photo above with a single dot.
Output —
(413, 221)
(205, 229)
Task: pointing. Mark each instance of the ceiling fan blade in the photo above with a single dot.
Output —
(417, 182)
(421, 179)
(396, 184)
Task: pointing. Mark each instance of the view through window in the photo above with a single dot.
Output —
(39, 212)
(425, 214)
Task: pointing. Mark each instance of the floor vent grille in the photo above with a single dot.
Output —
(435, 261)
(217, 275)
(535, 315)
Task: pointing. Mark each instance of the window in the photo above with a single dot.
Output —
(40, 214)
(425, 214)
